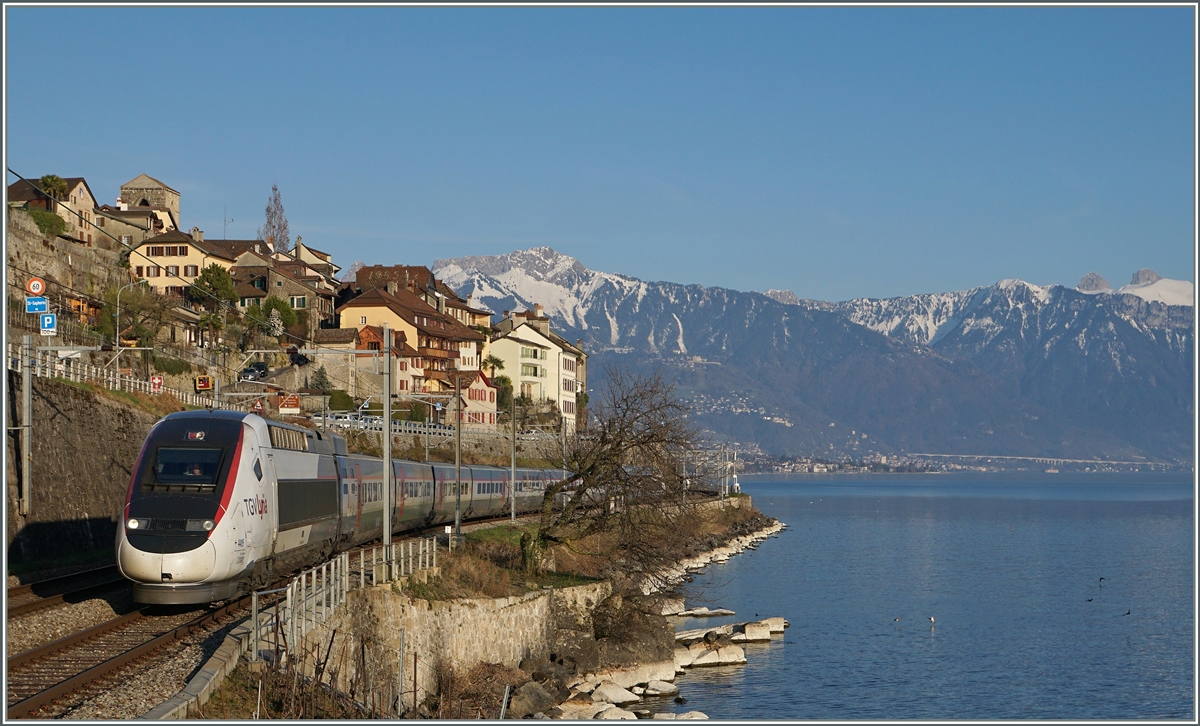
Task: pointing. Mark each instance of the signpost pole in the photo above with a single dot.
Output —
(26, 420)
(387, 440)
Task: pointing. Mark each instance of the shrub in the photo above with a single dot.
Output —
(340, 401)
(49, 223)
(172, 366)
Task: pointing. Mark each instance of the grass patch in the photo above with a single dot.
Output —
(284, 696)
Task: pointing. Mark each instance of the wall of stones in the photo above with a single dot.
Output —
(363, 637)
(84, 449)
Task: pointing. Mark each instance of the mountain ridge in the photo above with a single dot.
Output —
(971, 357)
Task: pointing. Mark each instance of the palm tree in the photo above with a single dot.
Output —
(494, 363)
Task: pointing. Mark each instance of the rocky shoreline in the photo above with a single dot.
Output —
(556, 691)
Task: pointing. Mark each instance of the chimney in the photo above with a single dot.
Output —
(506, 315)
(537, 309)
(390, 287)
(406, 285)
(271, 241)
(197, 234)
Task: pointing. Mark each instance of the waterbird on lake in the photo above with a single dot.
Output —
(895, 620)
(931, 619)
(1089, 599)
(1101, 582)
(1127, 612)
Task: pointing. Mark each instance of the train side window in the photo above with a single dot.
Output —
(258, 469)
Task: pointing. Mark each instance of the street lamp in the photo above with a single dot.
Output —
(117, 330)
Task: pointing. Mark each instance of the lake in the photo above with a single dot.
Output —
(1010, 568)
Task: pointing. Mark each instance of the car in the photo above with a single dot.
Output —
(261, 368)
(249, 374)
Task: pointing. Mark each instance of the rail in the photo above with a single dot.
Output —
(46, 364)
(314, 595)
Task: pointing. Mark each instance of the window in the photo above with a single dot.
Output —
(373, 345)
(138, 270)
(102, 221)
(173, 270)
(183, 251)
(153, 271)
(155, 252)
(260, 283)
(190, 270)
(298, 302)
(529, 353)
(569, 384)
(529, 370)
(242, 303)
(569, 365)
(362, 320)
(568, 407)
(127, 239)
(279, 283)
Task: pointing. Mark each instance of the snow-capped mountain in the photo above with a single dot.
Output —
(1013, 367)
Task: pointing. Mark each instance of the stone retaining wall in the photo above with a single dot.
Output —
(364, 635)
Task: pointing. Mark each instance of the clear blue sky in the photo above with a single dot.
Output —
(837, 152)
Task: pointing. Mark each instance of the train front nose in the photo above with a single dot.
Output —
(150, 563)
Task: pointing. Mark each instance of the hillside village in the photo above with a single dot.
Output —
(131, 275)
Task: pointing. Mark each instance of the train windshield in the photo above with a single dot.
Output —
(187, 467)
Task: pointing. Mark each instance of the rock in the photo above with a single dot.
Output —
(680, 699)
(730, 655)
(706, 613)
(692, 715)
(615, 713)
(583, 686)
(752, 633)
(680, 670)
(671, 606)
(627, 677)
(664, 717)
(540, 715)
(776, 625)
(683, 657)
(661, 688)
(577, 710)
(610, 692)
(554, 713)
(529, 699)
(711, 637)
(709, 657)
(637, 690)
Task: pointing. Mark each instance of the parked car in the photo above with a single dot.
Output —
(260, 367)
(249, 374)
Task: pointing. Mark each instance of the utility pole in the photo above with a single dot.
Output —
(564, 443)
(26, 421)
(513, 473)
(387, 442)
(457, 462)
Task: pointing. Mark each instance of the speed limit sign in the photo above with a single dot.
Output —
(35, 286)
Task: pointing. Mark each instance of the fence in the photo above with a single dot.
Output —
(47, 364)
(314, 595)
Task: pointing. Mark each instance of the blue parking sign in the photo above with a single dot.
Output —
(49, 323)
(37, 305)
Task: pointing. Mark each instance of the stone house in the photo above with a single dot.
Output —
(146, 191)
(77, 208)
(253, 271)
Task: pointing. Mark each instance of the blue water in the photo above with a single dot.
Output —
(1005, 563)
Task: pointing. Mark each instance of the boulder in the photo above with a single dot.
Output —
(671, 606)
(615, 713)
(709, 657)
(529, 699)
(637, 690)
(575, 709)
(661, 688)
(663, 717)
(692, 715)
(776, 625)
(683, 657)
(628, 677)
(610, 692)
(730, 655)
(582, 686)
(752, 633)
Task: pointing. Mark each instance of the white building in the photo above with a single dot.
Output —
(542, 365)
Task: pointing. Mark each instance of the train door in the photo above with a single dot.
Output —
(400, 489)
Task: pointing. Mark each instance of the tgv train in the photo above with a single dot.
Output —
(221, 501)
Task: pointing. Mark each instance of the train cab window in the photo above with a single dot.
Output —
(187, 467)
(258, 469)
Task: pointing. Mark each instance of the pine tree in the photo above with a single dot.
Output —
(321, 380)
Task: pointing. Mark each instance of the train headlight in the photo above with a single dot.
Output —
(208, 525)
(200, 525)
(133, 523)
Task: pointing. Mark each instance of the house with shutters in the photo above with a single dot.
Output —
(77, 207)
(443, 343)
(542, 365)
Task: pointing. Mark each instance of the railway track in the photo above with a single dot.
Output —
(77, 587)
(72, 667)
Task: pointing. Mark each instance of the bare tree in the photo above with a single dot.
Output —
(625, 492)
(275, 230)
